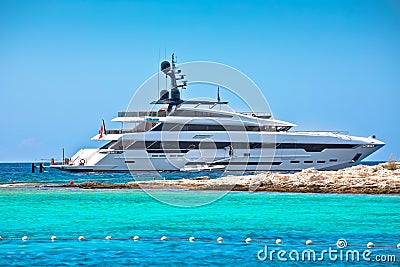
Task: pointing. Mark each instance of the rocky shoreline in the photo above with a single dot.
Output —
(359, 179)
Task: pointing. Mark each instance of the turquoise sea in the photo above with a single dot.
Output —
(40, 213)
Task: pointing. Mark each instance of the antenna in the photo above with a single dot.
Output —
(219, 99)
(173, 61)
(158, 73)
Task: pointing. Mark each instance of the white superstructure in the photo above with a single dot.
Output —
(198, 135)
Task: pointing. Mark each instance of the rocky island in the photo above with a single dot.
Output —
(360, 179)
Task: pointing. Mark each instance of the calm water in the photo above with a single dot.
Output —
(122, 214)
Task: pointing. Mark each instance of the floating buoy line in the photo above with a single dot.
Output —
(191, 239)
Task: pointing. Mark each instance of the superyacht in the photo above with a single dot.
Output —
(199, 135)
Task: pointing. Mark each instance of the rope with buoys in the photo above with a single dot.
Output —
(192, 239)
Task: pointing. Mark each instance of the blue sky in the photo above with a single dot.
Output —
(324, 65)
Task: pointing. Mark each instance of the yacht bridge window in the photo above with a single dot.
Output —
(283, 128)
(206, 127)
(198, 113)
(109, 144)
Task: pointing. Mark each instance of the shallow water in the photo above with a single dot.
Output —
(122, 214)
(21, 172)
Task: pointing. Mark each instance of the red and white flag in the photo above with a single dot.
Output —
(102, 130)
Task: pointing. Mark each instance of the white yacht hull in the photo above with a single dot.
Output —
(323, 151)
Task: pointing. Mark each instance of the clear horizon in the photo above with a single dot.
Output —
(323, 65)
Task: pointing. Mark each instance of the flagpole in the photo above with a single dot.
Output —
(102, 130)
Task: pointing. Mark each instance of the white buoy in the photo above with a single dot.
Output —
(108, 237)
(164, 238)
(308, 242)
(192, 239)
(135, 238)
(278, 241)
(53, 238)
(1, 238)
(220, 239)
(370, 245)
(247, 240)
(81, 238)
(398, 246)
(25, 238)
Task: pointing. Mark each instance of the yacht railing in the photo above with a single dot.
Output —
(117, 131)
(263, 115)
(322, 132)
(124, 131)
(161, 113)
